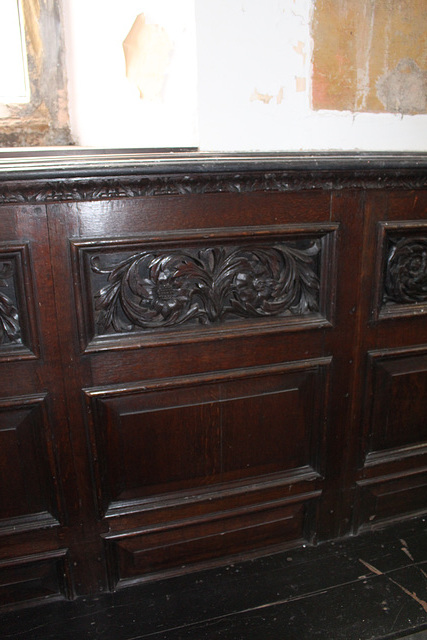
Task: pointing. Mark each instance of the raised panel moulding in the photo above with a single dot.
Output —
(29, 497)
(395, 429)
(136, 556)
(204, 435)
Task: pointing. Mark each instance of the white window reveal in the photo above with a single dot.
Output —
(14, 81)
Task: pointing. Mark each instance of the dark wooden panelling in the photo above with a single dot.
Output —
(396, 401)
(34, 577)
(208, 362)
(38, 497)
(184, 434)
(143, 555)
(114, 218)
(392, 481)
(384, 500)
(27, 495)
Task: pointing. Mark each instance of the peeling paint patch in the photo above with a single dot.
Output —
(404, 90)
(261, 97)
(299, 49)
(147, 49)
(300, 84)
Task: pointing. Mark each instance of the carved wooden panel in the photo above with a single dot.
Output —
(155, 440)
(17, 318)
(34, 577)
(396, 404)
(28, 499)
(188, 283)
(402, 287)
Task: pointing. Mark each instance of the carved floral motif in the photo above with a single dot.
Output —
(154, 289)
(406, 272)
(81, 190)
(9, 321)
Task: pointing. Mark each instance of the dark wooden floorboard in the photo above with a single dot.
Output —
(346, 612)
(373, 586)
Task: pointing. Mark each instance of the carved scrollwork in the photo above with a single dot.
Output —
(102, 188)
(406, 271)
(9, 320)
(165, 288)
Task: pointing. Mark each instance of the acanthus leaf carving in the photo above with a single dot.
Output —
(165, 288)
(9, 319)
(145, 184)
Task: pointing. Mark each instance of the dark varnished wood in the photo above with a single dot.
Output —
(37, 486)
(352, 589)
(205, 358)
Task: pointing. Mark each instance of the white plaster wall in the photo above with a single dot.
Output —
(14, 81)
(253, 45)
(105, 108)
(245, 88)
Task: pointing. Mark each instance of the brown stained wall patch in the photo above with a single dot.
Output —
(366, 54)
(404, 90)
(147, 49)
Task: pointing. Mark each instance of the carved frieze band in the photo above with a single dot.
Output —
(103, 188)
(148, 287)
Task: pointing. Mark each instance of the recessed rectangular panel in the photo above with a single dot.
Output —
(397, 386)
(27, 497)
(392, 481)
(190, 545)
(386, 499)
(162, 437)
(35, 577)
(158, 288)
